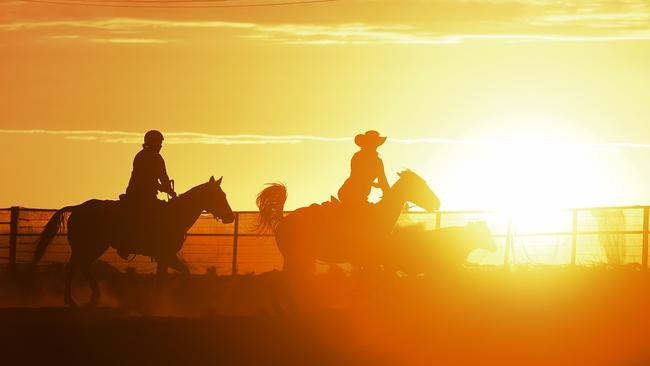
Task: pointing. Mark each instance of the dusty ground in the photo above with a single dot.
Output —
(534, 316)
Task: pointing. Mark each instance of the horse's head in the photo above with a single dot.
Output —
(216, 202)
(416, 190)
(480, 236)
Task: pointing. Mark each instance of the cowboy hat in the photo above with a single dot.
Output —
(369, 139)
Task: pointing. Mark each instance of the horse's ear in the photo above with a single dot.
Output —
(219, 180)
(211, 179)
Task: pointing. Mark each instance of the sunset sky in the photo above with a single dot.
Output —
(497, 104)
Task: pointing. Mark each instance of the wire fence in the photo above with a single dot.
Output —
(580, 236)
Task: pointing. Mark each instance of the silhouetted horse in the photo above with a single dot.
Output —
(332, 232)
(415, 250)
(95, 225)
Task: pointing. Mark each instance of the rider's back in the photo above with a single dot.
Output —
(148, 168)
(366, 166)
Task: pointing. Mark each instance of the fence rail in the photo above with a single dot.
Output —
(578, 236)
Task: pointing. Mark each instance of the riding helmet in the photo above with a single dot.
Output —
(153, 138)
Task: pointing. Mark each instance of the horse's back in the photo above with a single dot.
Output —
(295, 226)
(141, 228)
(97, 205)
(92, 220)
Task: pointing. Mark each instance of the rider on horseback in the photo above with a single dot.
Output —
(149, 176)
(365, 168)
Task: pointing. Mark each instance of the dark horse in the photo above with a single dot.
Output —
(415, 250)
(94, 225)
(334, 233)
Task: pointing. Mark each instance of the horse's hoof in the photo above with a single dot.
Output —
(70, 303)
(94, 301)
(91, 305)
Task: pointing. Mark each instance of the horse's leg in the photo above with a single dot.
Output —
(181, 267)
(297, 273)
(70, 270)
(78, 262)
(90, 255)
(94, 286)
(160, 280)
(161, 272)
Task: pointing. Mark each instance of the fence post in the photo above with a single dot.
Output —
(506, 259)
(574, 236)
(13, 235)
(438, 214)
(644, 258)
(235, 238)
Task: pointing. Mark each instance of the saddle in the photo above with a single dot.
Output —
(333, 203)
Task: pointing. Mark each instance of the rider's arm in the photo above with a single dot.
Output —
(382, 182)
(165, 183)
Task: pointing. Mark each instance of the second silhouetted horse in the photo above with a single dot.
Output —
(333, 233)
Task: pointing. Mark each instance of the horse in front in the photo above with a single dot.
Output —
(96, 225)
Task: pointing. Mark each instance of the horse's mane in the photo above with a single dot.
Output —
(193, 190)
(408, 174)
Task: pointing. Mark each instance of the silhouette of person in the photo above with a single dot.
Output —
(149, 176)
(366, 171)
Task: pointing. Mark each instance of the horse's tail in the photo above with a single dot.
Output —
(51, 228)
(271, 204)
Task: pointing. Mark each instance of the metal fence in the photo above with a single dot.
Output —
(581, 236)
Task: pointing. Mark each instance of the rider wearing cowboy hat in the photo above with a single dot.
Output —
(365, 168)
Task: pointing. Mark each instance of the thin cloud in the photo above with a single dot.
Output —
(128, 40)
(116, 24)
(176, 137)
(469, 20)
(65, 36)
(559, 26)
(596, 22)
(197, 138)
(354, 33)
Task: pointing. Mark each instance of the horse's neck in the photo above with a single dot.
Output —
(189, 209)
(392, 204)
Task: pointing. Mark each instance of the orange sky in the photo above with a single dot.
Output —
(493, 102)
